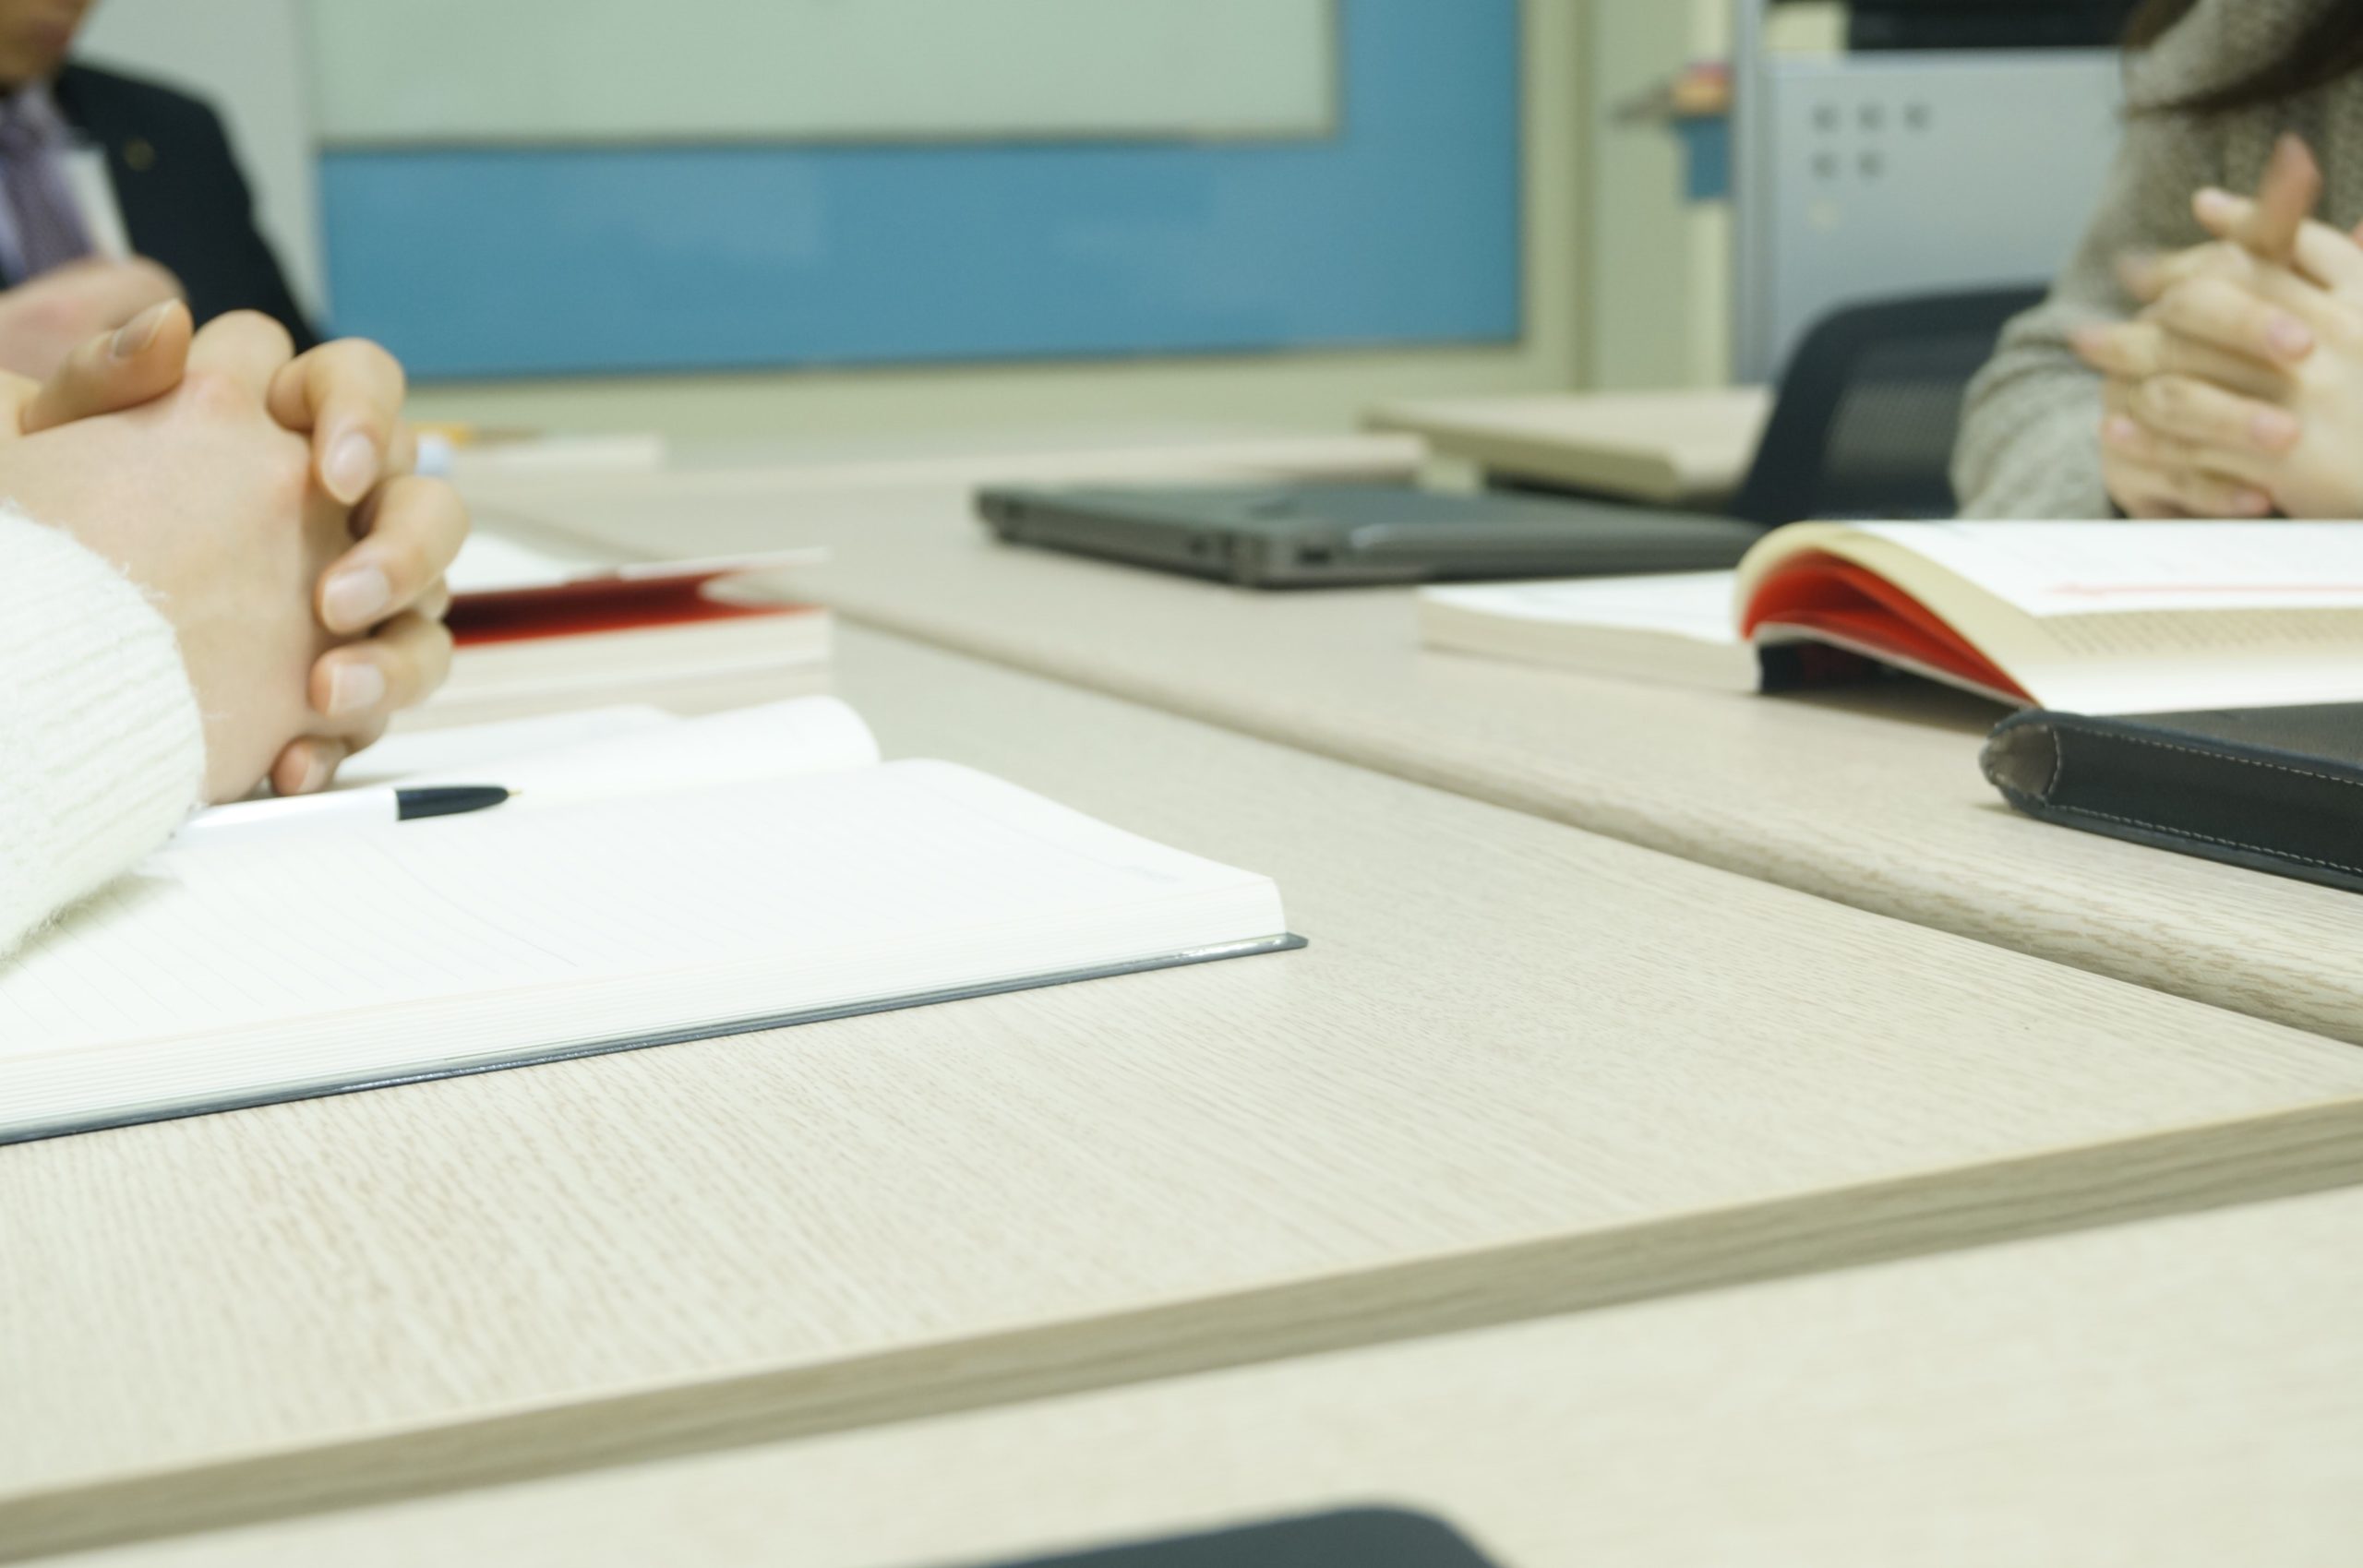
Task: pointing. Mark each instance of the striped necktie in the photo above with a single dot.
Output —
(48, 228)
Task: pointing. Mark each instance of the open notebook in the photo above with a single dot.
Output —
(648, 885)
(2086, 617)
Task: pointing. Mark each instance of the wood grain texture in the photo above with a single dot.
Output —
(2299, 1152)
(1871, 798)
(2183, 1394)
(1678, 448)
(1506, 1034)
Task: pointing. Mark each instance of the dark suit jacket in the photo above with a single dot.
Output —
(184, 204)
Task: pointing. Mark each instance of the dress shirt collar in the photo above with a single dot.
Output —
(35, 107)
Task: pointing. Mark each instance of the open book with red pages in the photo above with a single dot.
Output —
(538, 619)
(2087, 617)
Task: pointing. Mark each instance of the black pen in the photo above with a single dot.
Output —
(339, 808)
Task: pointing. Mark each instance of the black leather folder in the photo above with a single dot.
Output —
(2273, 789)
(1361, 1538)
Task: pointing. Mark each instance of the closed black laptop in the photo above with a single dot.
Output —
(1330, 535)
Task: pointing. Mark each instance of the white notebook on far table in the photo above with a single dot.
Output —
(1676, 627)
(643, 888)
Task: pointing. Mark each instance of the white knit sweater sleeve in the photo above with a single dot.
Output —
(102, 747)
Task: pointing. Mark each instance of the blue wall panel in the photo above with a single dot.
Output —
(1403, 229)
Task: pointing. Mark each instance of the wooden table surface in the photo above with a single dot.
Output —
(1871, 797)
(1522, 1069)
(2184, 1394)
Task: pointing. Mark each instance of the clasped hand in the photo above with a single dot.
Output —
(2238, 391)
(264, 502)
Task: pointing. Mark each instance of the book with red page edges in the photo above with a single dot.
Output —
(598, 604)
(2093, 618)
(1817, 597)
(548, 627)
(2088, 617)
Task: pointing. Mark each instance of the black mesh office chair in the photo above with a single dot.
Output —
(1870, 407)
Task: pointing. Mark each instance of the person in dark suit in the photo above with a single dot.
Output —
(184, 203)
(114, 193)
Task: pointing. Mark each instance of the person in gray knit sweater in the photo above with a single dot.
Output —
(2202, 353)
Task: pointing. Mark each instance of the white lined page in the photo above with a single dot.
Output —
(608, 753)
(492, 562)
(1696, 604)
(774, 740)
(2106, 569)
(912, 872)
(475, 748)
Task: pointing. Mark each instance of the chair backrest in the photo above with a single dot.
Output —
(1870, 407)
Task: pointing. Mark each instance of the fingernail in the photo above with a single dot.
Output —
(2214, 200)
(352, 467)
(2251, 503)
(2121, 431)
(356, 598)
(2273, 429)
(131, 339)
(354, 688)
(2291, 337)
(2088, 340)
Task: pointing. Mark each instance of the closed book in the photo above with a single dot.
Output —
(543, 624)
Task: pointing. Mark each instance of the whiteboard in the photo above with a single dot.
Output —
(247, 58)
(427, 72)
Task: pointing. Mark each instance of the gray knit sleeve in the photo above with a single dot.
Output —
(2030, 439)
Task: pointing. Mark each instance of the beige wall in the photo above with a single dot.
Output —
(1657, 297)
(1626, 286)
(248, 57)
(1309, 391)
